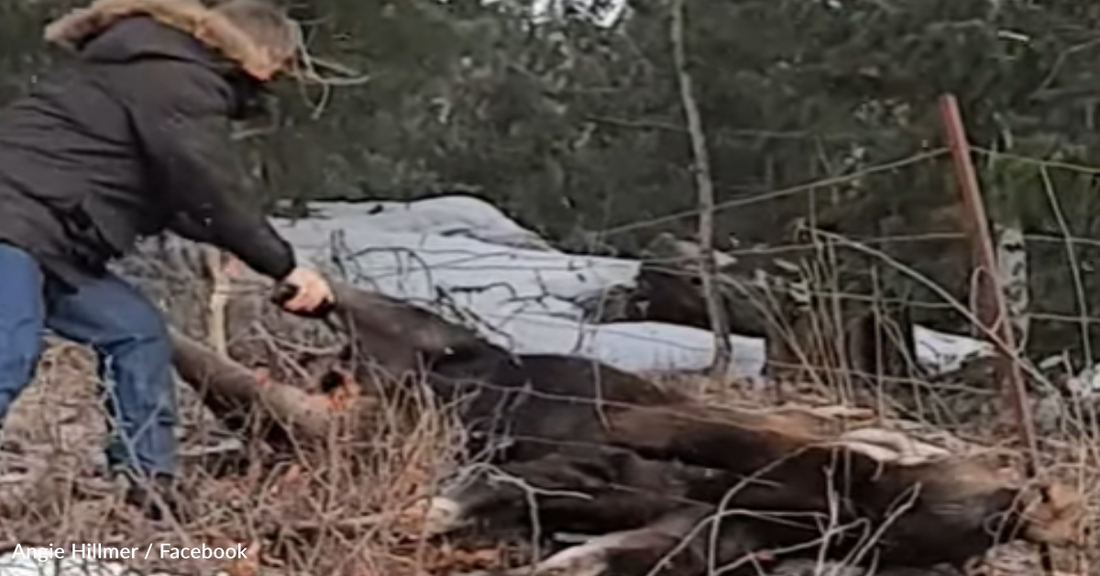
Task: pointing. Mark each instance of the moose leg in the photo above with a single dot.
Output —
(704, 437)
(487, 493)
(678, 544)
(595, 492)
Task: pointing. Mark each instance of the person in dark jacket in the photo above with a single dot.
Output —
(128, 138)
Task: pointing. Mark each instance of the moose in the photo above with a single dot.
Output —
(663, 479)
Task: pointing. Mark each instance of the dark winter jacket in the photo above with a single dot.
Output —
(130, 138)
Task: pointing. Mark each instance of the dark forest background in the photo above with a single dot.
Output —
(577, 130)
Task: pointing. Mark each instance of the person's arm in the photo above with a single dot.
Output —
(182, 120)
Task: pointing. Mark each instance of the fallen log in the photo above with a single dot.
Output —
(237, 397)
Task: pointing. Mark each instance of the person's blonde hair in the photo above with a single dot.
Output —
(269, 28)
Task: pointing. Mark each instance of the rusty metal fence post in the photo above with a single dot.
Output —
(992, 310)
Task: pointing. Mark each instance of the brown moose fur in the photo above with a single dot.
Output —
(852, 344)
(947, 510)
(541, 401)
(613, 439)
(675, 296)
(849, 340)
(551, 409)
(190, 16)
(564, 411)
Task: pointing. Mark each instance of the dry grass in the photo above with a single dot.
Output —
(331, 512)
(340, 510)
(343, 509)
(1069, 457)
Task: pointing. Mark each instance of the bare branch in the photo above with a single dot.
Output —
(705, 188)
(219, 297)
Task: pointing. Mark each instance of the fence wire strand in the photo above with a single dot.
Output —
(952, 405)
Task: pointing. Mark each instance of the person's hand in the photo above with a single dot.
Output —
(313, 291)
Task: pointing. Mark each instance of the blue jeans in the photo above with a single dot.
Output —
(130, 340)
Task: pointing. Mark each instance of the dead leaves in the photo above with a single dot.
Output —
(448, 559)
(410, 520)
(249, 565)
(293, 480)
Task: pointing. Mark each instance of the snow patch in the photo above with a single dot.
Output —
(459, 251)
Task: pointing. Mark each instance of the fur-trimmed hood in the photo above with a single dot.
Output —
(212, 29)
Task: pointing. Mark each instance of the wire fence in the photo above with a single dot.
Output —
(839, 313)
(927, 274)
